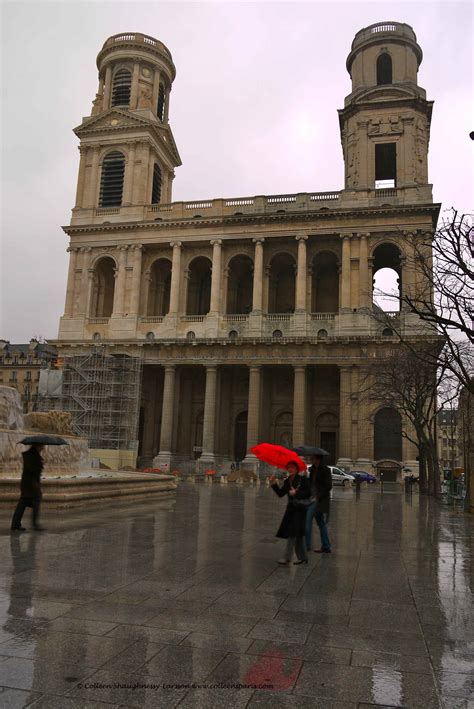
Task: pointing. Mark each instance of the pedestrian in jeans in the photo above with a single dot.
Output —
(292, 527)
(30, 488)
(320, 485)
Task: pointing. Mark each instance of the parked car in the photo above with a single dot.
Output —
(339, 477)
(363, 476)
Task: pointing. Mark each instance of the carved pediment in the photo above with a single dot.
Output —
(384, 93)
(113, 119)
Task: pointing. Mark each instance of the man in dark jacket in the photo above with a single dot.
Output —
(321, 486)
(30, 495)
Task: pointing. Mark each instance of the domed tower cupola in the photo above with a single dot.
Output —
(128, 153)
(385, 122)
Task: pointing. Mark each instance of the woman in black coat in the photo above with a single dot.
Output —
(30, 495)
(292, 527)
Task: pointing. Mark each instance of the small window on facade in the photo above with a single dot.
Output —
(190, 335)
(121, 87)
(28, 376)
(233, 335)
(14, 376)
(156, 188)
(150, 336)
(384, 69)
(96, 336)
(111, 182)
(387, 332)
(385, 165)
(322, 334)
(161, 103)
(277, 334)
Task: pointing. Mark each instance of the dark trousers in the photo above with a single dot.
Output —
(23, 503)
(323, 530)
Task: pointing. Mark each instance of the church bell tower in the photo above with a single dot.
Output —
(385, 122)
(128, 153)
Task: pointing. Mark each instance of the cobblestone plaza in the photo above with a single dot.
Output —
(188, 590)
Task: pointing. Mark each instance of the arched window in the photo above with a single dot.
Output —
(111, 181)
(322, 334)
(156, 188)
(387, 435)
(277, 334)
(384, 69)
(121, 87)
(160, 111)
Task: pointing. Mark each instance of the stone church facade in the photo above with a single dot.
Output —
(253, 316)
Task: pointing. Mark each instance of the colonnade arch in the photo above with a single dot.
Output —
(387, 277)
(282, 282)
(103, 289)
(240, 285)
(325, 283)
(199, 286)
(160, 287)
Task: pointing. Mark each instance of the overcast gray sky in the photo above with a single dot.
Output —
(253, 111)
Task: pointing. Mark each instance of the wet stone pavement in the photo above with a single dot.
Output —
(128, 607)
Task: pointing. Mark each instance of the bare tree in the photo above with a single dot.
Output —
(405, 379)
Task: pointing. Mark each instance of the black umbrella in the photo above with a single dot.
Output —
(308, 451)
(44, 440)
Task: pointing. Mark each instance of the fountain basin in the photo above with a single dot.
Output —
(94, 489)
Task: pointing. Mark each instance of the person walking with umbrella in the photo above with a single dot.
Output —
(30, 486)
(321, 485)
(296, 486)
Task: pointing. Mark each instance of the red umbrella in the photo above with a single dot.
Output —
(277, 455)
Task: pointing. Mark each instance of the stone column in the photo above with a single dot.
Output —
(129, 174)
(364, 424)
(175, 277)
(257, 304)
(156, 88)
(345, 416)
(107, 88)
(71, 277)
(216, 275)
(136, 280)
(92, 197)
(301, 274)
(299, 404)
(86, 283)
(80, 177)
(134, 87)
(346, 274)
(119, 296)
(253, 420)
(167, 417)
(364, 286)
(209, 427)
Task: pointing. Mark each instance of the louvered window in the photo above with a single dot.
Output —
(111, 183)
(156, 189)
(121, 88)
(161, 103)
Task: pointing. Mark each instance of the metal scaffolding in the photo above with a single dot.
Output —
(102, 392)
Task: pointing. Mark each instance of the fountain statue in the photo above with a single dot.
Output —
(68, 476)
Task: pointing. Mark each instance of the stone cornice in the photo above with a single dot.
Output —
(342, 214)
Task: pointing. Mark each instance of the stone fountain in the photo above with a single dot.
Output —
(68, 478)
